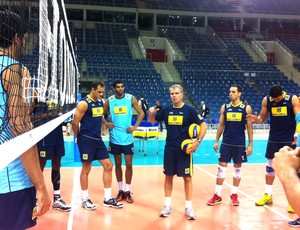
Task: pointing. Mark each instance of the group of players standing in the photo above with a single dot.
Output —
(22, 181)
(234, 119)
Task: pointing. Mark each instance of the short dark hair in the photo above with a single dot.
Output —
(275, 91)
(95, 84)
(117, 82)
(10, 25)
(239, 88)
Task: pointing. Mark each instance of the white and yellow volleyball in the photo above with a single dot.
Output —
(187, 145)
(194, 130)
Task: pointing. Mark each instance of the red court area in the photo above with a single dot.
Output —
(148, 195)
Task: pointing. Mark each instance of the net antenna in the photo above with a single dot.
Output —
(48, 72)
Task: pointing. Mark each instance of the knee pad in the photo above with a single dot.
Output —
(269, 168)
(237, 173)
(221, 172)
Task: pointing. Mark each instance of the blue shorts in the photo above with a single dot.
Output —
(91, 149)
(118, 149)
(51, 152)
(236, 153)
(16, 209)
(177, 162)
(273, 147)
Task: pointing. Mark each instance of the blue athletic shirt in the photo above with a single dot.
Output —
(13, 177)
(56, 136)
(178, 121)
(282, 119)
(235, 124)
(91, 122)
(120, 110)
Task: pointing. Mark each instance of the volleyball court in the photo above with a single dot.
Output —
(50, 59)
(148, 194)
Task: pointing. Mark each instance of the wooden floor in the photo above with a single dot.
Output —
(148, 194)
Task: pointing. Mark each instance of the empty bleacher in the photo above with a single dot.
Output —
(288, 7)
(194, 5)
(115, 3)
(208, 75)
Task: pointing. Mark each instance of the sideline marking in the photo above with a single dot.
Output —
(75, 192)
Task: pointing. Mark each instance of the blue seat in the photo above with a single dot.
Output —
(215, 121)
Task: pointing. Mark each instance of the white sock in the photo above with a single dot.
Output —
(56, 192)
(188, 203)
(218, 190)
(168, 201)
(107, 193)
(234, 189)
(127, 187)
(85, 194)
(269, 189)
(120, 185)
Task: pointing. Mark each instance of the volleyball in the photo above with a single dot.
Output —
(194, 130)
(186, 146)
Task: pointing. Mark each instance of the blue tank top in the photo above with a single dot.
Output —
(13, 177)
(91, 122)
(235, 124)
(282, 119)
(120, 110)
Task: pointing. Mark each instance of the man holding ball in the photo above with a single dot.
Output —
(178, 117)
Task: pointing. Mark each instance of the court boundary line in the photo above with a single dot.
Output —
(75, 190)
(245, 194)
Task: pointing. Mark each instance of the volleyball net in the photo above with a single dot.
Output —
(39, 73)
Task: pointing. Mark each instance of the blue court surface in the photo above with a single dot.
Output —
(153, 152)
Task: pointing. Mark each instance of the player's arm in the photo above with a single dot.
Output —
(152, 112)
(296, 109)
(296, 105)
(80, 110)
(109, 125)
(203, 129)
(249, 131)
(286, 164)
(26, 78)
(197, 142)
(140, 112)
(220, 128)
(106, 107)
(29, 95)
(17, 118)
(263, 113)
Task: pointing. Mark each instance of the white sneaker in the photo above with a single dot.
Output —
(88, 205)
(60, 205)
(166, 211)
(189, 213)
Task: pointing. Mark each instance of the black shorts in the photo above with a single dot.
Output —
(273, 147)
(17, 208)
(177, 162)
(118, 149)
(51, 152)
(236, 153)
(91, 149)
